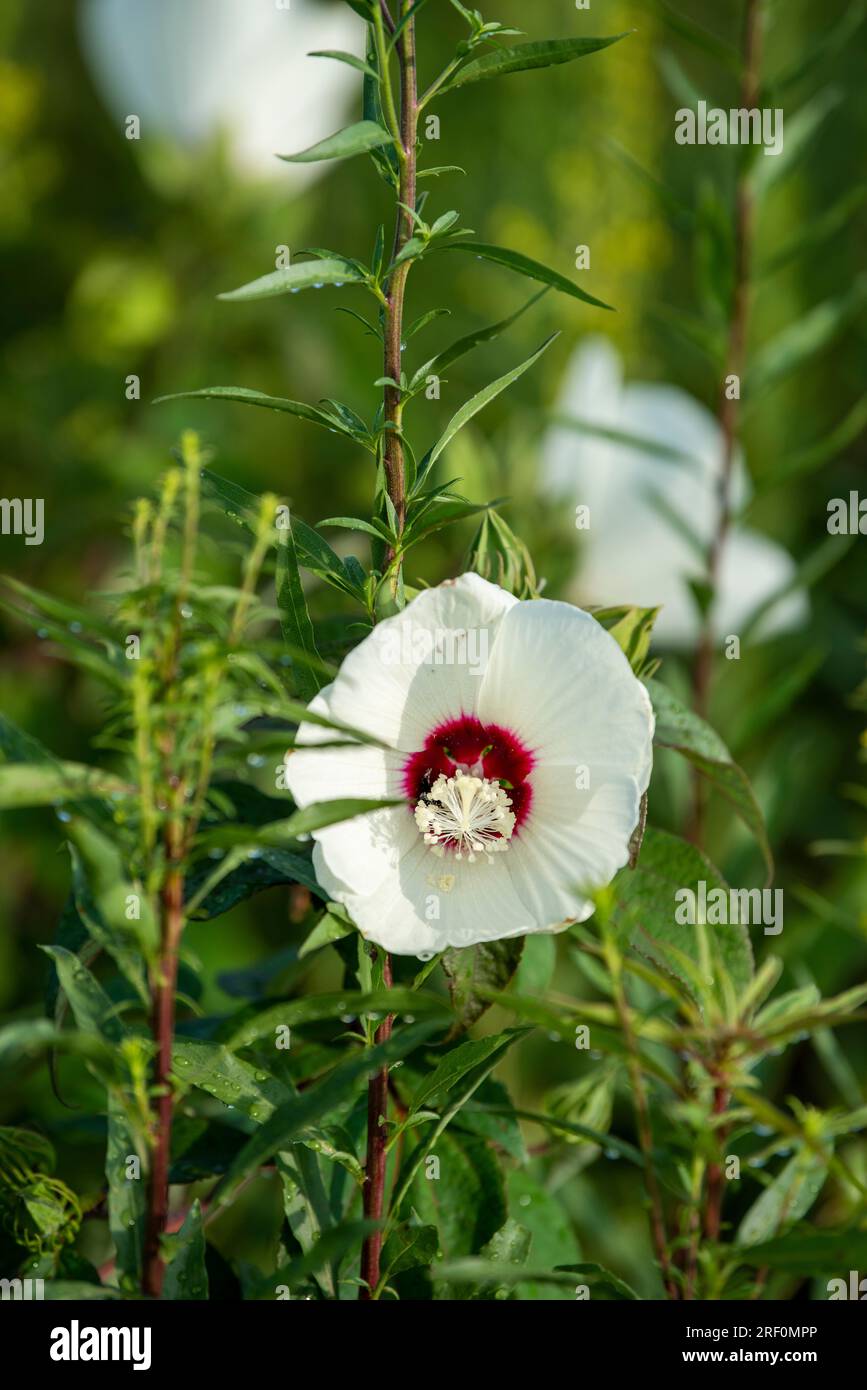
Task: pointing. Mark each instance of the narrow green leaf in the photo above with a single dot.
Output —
(303, 276)
(801, 130)
(438, 364)
(832, 443)
(126, 1198)
(641, 444)
(294, 617)
(524, 56)
(315, 1008)
(460, 1063)
(701, 38)
(481, 399)
(113, 893)
(806, 337)
(833, 41)
(349, 58)
(352, 523)
(326, 1250)
(786, 1200)
(26, 1041)
(600, 1278)
(94, 1012)
(353, 139)
(48, 784)
(314, 552)
(817, 231)
(186, 1276)
(522, 265)
(283, 833)
(241, 395)
(810, 1253)
(328, 929)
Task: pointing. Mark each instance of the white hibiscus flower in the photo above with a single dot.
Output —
(520, 742)
(193, 69)
(634, 546)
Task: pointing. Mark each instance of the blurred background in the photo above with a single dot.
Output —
(115, 248)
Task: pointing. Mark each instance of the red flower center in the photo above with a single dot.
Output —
(487, 750)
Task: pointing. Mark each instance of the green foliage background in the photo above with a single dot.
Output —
(112, 259)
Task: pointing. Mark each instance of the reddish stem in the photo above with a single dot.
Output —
(374, 1181)
(163, 1024)
(728, 411)
(713, 1204)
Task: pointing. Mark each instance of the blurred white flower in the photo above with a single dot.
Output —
(521, 775)
(193, 69)
(635, 550)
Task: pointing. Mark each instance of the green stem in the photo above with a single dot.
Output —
(395, 481)
(393, 458)
(642, 1113)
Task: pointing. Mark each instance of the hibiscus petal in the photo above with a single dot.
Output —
(432, 903)
(563, 684)
(423, 666)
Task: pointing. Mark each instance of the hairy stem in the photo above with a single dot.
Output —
(395, 481)
(393, 326)
(375, 1168)
(714, 1190)
(163, 1025)
(728, 410)
(642, 1119)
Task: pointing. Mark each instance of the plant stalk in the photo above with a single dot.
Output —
(393, 326)
(714, 1192)
(728, 409)
(395, 481)
(375, 1168)
(163, 1026)
(642, 1118)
